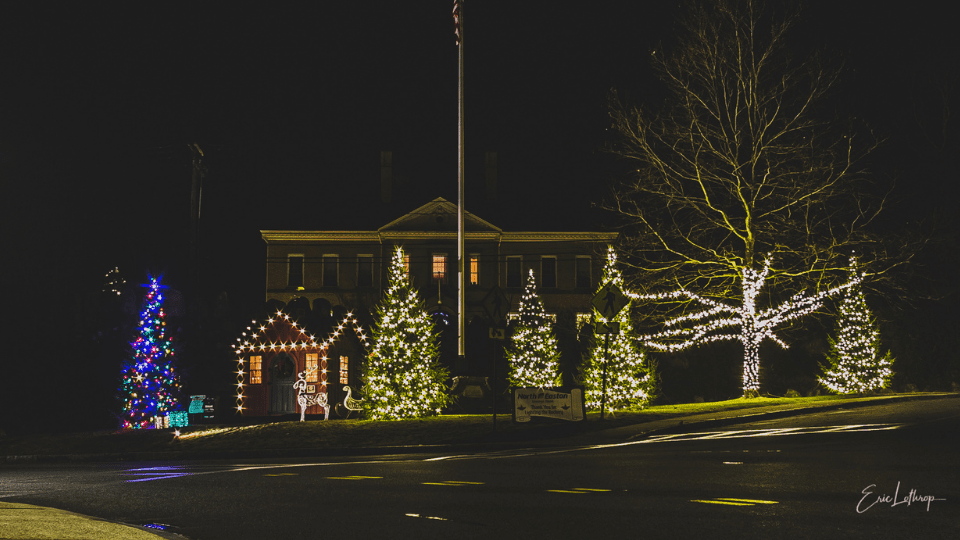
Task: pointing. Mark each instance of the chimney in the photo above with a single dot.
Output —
(490, 164)
(386, 175)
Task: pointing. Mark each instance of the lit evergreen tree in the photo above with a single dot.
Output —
(403, 377)
(533, 354)
(630, 378)
(855, 364)
(149, 386)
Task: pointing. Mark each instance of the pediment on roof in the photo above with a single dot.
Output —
(437, 215)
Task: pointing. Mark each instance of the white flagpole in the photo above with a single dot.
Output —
(461, 264)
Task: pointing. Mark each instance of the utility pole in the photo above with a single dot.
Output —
(196, 195)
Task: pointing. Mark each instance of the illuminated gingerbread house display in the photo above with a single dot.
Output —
(271, 354)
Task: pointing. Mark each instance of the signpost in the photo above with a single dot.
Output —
(496, 305)
(609, 302)
(550, 403)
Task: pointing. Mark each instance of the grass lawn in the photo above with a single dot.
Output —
(337, 434)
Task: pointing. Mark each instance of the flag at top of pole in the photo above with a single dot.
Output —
(456, 19)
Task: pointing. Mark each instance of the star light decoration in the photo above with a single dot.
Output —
(149, 384)
(533, 355)
(256, 339)
(855, 364)
(630, 380)
(402, 376)
(717, 319)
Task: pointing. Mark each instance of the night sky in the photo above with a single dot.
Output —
(292, 106)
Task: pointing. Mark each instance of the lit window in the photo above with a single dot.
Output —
(344, 370)
(365, 271)
(331, 276)
(474, 269)
(406, 266)
(312, 367)
(256, 368)
(583, 272)
(440, 268)
(295, 271)
(548, 272)
(514, 278)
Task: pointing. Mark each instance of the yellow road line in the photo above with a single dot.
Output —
(590, 489)
(564, 491)
(353, 477)
(752, 501)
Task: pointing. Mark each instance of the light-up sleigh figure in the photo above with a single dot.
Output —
(305, 400)
(350, 405)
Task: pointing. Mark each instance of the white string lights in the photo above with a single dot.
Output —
(402, 376)
(533, 355)
(716, 320)
(629, 381)
(265, 338)
(855, 362)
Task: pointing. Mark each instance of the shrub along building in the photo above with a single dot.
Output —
(337, 271)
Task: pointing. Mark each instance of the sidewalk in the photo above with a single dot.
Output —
(24, 521)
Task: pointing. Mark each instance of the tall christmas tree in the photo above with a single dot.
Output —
(533, 355)
(403, 377)
(630, 378)
(855, 364)
(149, 386)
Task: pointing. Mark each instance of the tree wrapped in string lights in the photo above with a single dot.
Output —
(855, 364)
(740, 167)
(716, 320)
(533, 355)
(149, 385)
(630, 377)
(402, 376)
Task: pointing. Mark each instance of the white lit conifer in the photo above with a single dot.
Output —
(630, 381)
(533, 354)
(855, 364)
(403, 377)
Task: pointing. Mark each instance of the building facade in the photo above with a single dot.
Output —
(349, 268)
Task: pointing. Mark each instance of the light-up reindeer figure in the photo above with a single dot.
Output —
(305, 400)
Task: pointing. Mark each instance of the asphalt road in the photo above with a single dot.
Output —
(883, 471)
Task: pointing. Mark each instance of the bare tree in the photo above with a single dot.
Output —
(744, 180)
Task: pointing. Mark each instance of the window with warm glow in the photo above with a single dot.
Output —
(256, 369)
(406, 266)
(313, 369)
(344, 370)
(474, 269)
(548, 272)
(440, 268)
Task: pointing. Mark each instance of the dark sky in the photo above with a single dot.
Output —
(292, 106)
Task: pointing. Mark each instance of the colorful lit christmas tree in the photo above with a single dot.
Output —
(403, 377)
(149, 386)
(533, 354)
(630, 379)
(855, 364)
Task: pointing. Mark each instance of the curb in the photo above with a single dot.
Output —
(684, 425)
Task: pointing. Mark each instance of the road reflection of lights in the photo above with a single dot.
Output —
(427, 517)
(155, 473)
(699, 436)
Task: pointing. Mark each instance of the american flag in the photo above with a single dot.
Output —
(456, 19)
